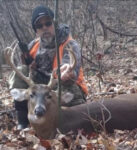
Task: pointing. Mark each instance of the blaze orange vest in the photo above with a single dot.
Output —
(80, 81)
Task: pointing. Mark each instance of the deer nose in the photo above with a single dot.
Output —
(39, 111)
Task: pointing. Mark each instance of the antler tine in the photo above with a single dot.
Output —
(52, 81)
(9, 55)
(13, 43)
(72, 56)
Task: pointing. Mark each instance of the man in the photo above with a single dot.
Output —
(43, 51)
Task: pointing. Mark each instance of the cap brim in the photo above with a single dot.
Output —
(44, 15)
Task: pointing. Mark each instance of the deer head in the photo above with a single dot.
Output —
(41, 98)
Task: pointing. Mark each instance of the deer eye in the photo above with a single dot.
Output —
(32, 95)
(49, 96)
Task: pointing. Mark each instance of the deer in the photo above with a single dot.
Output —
(44, 115)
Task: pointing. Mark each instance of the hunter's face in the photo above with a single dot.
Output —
(45, 29)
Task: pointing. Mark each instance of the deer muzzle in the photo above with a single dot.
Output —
(39, 111)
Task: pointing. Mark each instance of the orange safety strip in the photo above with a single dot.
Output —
(34, 49)
(61, 48)
(80, 81)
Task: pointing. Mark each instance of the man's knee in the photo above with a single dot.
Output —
(78, 95)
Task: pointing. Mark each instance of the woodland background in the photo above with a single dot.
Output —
(99, 26)
(107, 33)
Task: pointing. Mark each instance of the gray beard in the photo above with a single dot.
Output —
(47, 41)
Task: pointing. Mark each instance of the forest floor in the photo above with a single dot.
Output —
(120, 77)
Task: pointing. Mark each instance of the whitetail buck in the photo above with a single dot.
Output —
(117, 113)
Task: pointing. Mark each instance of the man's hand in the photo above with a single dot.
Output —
(66, 72)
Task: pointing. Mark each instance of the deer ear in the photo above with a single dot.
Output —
(19, 94)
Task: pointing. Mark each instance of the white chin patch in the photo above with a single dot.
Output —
(36, 120)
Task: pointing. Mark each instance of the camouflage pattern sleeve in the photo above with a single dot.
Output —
(30, 45)
(66, 58)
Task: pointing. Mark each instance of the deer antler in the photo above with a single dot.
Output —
(52, 81)
(72, 65)
(73, 60)
(9, 55)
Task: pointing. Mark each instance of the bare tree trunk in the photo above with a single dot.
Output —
(0, 65)
(65, 11)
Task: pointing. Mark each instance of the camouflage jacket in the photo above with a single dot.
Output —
(46, 52)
